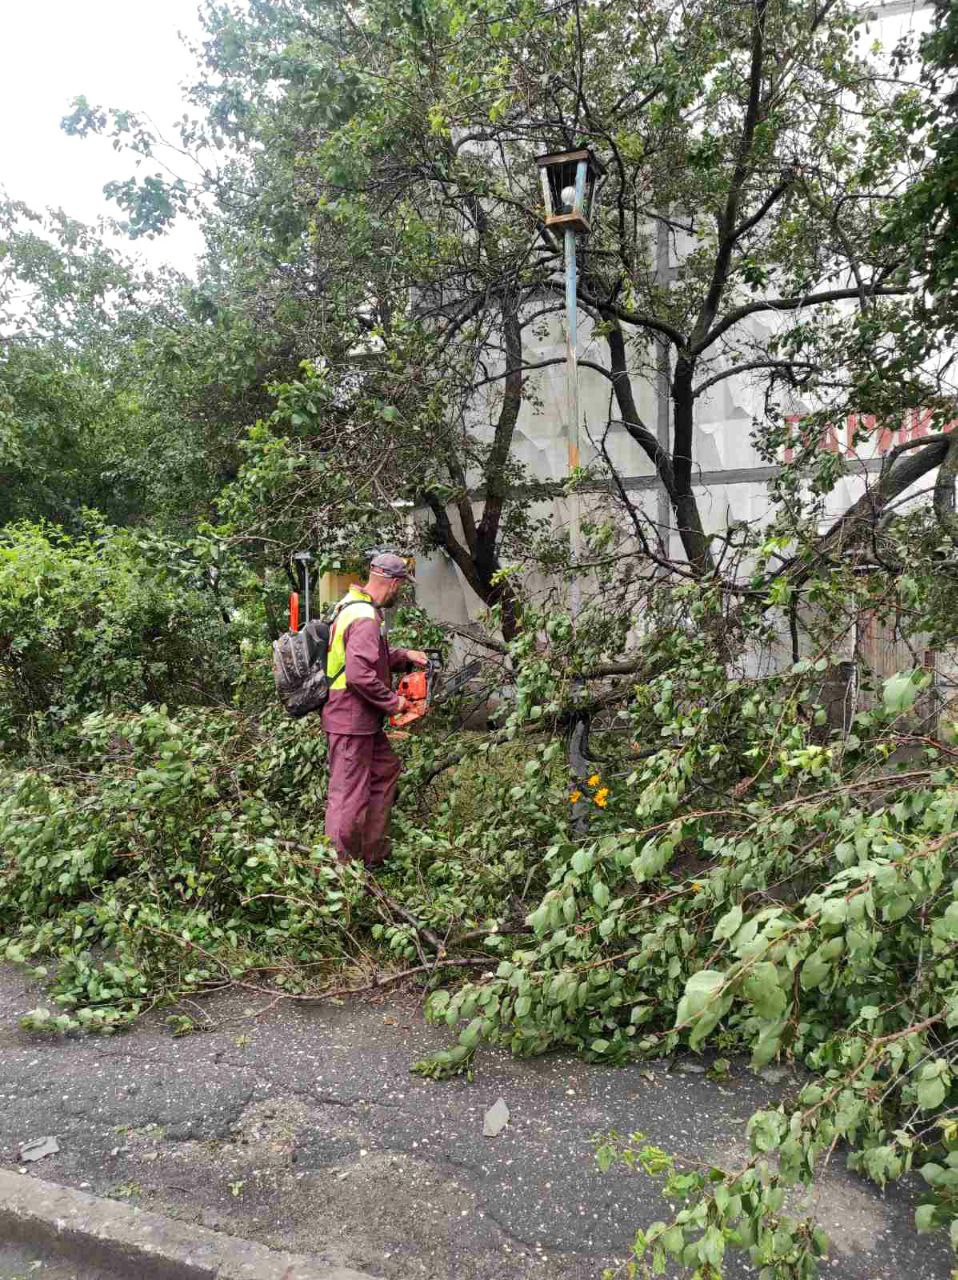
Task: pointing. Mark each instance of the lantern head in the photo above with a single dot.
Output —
(569, 181)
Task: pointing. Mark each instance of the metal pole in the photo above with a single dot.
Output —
(572, 397)
(663, 275)
(579, 726)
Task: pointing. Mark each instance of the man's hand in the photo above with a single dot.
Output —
(403, 705)
(417, 657)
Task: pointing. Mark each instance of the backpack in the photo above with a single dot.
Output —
(299, 665)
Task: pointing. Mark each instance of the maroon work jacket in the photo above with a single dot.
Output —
(368, 697)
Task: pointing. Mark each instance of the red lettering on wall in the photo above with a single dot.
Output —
(920, 423)
(791, 419)
(886, 439)
(915, 425)
(851, 426)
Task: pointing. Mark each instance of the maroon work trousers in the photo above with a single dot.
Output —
(363, 773)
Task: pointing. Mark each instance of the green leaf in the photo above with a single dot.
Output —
(763, 990)
(931, 1093)
(932, 1173)
(925, 1217)
(582, 861)
(701, 991)
(437, 1003)
(767, 1045)
(729, 924)
(948, 923)
(705, 1024)
(899, 692)
(896, 908)
(766, 1129)
(673, 1240)
(472, 1034)
(701, 988)
(814, 971)
(712, 1247)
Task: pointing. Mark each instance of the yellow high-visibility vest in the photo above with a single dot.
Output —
(360, 606)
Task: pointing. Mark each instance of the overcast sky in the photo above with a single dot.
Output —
(119, 53)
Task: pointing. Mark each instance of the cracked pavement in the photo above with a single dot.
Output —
(302, 1128)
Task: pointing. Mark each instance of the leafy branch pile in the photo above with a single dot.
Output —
(752, 881)
(170, 852)
(758, 885)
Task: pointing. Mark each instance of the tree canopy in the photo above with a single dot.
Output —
(380, 208)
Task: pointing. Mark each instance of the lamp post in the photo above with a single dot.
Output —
(569, 182)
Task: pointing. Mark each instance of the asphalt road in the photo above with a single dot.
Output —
(303, 1129)
(19, 1262)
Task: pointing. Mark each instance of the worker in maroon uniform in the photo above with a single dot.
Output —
(363, 768)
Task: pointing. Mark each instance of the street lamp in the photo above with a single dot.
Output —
(570, 181)
(570, 184)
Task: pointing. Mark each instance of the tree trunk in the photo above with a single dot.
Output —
(489, 593)
(674, 468)
(686, 508)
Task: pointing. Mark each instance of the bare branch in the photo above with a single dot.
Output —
(785, 366)
(907, 465)
(728, 233)
(792, 304)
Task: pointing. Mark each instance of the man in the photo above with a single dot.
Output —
(363, 768)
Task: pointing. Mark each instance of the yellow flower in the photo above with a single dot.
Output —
(594, 780)
(602, 796)
(575, 797)
(697, 886)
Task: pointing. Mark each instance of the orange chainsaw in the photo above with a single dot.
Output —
(418, 687)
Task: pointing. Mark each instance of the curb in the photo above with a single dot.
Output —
(147, 1245)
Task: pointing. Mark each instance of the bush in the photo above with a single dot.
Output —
(109, 618)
